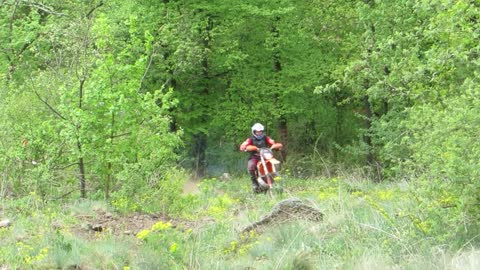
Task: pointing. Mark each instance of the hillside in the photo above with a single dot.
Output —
(362, 226)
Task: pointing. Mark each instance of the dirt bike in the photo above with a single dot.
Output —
(266, 169)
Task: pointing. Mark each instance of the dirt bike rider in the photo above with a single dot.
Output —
(260, 140)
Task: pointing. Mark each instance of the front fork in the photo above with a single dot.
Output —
(269, 175)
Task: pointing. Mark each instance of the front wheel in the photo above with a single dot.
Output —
(270, 183)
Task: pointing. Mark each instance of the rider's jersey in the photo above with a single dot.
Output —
(260, 143)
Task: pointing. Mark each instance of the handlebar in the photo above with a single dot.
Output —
(276, 146)
(253, 148)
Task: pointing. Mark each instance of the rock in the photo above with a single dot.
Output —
(97, 227)
(57, 225)
(5, 223)
(285, 211)
(225, 177)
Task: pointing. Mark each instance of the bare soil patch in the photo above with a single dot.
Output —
(121, 225)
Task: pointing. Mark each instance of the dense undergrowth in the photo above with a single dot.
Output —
(365, 226)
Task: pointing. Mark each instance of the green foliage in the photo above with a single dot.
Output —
(120, 93)
(86, 108)
(149, 192)
(167, 242)
(428, 133)
(446, 157)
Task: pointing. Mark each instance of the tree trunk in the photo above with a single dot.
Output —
(81, 174)
(108, 180)
(368, 106)
(81, 162)
(338, 124)
(200, 145)
(282, 128)
(368, 124)
(109, 177)
(277, 68)
(200, 139)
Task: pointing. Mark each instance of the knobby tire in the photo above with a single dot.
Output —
(270, 186)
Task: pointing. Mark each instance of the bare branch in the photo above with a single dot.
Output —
(146, 71)
(12, 18)
(121, 135)
(64, 195)
(43, 8)
(93, 9)
(48, 105)
(27, 44)
(38, 6)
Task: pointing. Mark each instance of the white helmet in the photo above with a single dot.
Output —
(258, 127)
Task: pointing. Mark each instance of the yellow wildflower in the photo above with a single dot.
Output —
(159, 226)
(173, 247)
(143, 234)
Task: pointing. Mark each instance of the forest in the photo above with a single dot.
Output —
(111, 107)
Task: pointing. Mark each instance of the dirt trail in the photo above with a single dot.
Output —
(191, 187)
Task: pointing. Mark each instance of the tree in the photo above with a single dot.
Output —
(92, 101)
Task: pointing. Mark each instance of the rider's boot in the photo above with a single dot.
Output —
(255, 186)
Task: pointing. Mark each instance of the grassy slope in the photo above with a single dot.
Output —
(365, 226)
